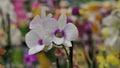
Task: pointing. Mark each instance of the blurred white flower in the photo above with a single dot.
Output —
(16, 36)
(7, 8)
(3, 39)
(112, 23)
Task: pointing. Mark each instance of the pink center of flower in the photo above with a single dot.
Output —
(59, 33)
(40, 42)
(27, 59)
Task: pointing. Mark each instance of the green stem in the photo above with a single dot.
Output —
(91, 65)
(88, 57)
(9, 39)
(65, 50)
(68, 58)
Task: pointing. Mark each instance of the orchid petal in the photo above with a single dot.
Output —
(50, 25)
(36, 49)
(40, 32)
(62, 21)
(31, 39)
(47, 40)
(71, 32)
(67, 43)
(58, 41)
(35, 22)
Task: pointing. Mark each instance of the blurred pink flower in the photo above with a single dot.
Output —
(29, 59)
(19, 10)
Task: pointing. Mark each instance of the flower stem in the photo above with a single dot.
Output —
(68, 58)
(71, 55)
(9, 40)
(57, 62)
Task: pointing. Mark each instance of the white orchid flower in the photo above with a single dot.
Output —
(46, 30)
(16, 36)
(61, 32)
(37, 41)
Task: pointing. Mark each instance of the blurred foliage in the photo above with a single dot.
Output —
(51, 55)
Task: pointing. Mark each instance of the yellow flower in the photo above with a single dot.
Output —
(112, 59)
(100, 59)
(118, 4)
(101, 47)
(83, 11)
(103, 65)
(102, 62)
(80, 56)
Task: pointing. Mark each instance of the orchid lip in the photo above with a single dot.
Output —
(40, 42)
(59, 33)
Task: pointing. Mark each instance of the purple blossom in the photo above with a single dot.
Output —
(19, 10)
(75, 11)
(29, 59)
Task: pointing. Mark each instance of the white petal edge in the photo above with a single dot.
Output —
(31, 39)
(62, 21)
(58, 41)
(67, 43)
(71, 32)
(36, 49)
(35, 22)
(48, 47)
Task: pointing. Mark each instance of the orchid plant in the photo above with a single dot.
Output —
(47, 31)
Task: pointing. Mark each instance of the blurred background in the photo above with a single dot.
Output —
(98, 23)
